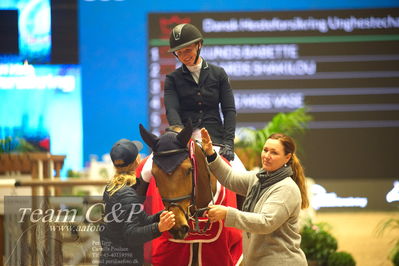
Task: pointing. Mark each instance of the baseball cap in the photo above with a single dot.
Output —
(124, 152)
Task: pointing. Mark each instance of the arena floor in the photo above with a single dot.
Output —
(356, 234)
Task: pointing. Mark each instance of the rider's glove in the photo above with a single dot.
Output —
(227, 152)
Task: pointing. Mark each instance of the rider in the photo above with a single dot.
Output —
(194, 92)
(197, 88)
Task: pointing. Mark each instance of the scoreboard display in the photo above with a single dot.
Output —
(343, 65)
(40, 78)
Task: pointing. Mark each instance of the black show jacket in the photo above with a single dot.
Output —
(185, 99)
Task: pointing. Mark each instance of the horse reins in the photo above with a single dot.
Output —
(173, 202)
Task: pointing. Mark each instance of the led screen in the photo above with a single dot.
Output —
(343, 65)
(40, 96)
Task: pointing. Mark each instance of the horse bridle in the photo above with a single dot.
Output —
(173, 202)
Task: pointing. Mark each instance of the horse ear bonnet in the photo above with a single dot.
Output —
(148, 137)
(168, 142)
(185, 135)
(169, 163)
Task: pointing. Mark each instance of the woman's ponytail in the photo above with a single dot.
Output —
(124, 176)
(300, 180)
(299, 175)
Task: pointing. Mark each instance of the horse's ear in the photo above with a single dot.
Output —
(148, 137)
(185, 135)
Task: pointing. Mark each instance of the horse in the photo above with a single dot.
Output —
(187, 187)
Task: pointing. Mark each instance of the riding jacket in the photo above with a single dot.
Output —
(185, 99)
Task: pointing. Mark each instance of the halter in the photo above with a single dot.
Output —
(173, 202)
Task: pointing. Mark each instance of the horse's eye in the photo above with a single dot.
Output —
(189, 170)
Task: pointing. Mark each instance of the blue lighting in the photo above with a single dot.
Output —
(34, 30)
(42, 105)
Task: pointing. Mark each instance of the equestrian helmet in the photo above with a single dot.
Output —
(183, 35)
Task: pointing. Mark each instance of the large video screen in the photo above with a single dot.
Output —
(343, 65)
(40, 87)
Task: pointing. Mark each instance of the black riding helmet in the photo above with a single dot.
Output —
(182, 36)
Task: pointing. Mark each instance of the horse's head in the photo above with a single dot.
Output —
(172, 170)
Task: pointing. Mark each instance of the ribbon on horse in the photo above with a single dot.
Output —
(191, 151)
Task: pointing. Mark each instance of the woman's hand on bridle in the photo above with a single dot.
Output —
(206, 142)
(166, 221)
(217, 213)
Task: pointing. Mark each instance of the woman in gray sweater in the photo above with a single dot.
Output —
(274, 197)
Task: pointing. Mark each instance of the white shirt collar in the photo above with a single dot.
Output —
(197, 67)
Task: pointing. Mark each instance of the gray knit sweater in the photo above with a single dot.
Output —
(270, 233)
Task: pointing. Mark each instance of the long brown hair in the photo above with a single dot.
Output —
(124, 176)
(299, 175)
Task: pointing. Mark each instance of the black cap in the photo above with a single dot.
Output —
(183, 35)
(124, 152)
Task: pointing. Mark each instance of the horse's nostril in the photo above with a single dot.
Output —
(185, 229)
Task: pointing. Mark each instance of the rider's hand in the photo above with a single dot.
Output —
(227, 152)
(206, 142)
(166, 221)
